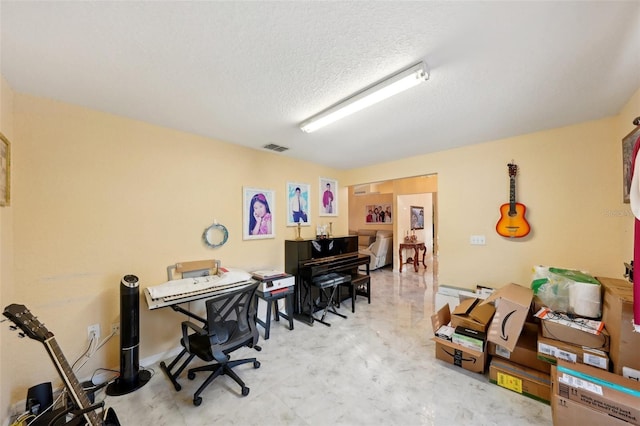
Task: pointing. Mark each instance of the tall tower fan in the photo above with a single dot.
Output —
(131, 378)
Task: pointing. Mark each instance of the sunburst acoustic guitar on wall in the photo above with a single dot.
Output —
(512, 223)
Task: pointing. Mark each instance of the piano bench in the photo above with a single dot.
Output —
(272, 305)
(358, 286)
(328, 285)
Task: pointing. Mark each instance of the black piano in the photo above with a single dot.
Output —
(310, 259)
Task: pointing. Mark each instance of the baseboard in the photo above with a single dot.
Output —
(18, 407)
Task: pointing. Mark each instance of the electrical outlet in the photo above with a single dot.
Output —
(115, 328)
(94, 330)
(477, 240)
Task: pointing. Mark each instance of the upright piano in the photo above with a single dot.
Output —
(308, 259)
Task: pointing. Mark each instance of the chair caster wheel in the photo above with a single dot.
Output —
(256, 364)
(191, 375)
(245, 391)
(197, 401)
(178, 387)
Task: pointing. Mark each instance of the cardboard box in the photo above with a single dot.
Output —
(569, 413)
(512, 304)
(617, 314)
(472, 339)
(551, 350)
(599, 390)
(526, 350)
(470, 313)
(518, 378)
(556, 331)
(453, 353)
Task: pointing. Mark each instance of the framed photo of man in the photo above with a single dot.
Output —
(328, 197)
(298, 204)
(259, 213)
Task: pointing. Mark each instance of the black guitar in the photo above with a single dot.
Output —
(34, 329)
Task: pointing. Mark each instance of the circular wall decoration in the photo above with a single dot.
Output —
(215, 235)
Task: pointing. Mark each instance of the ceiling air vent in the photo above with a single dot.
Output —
(274, 147)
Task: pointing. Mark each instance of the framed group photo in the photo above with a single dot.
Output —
(298, 204)
(378, 213)
(259, 213)
(328, 199)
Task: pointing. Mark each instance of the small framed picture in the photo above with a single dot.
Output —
(298, 206)
(378, 213)
(417, 217)
(628, 144)
(328, 197)
(259, 213)
(5, 171)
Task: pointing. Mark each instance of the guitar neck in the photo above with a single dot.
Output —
(512, 195)
(70, 380)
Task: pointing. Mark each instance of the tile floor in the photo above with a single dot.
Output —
(376, 367)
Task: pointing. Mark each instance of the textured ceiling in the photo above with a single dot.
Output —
(248, 72)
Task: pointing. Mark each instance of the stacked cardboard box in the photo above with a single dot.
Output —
(451, 352)
(526, 351)
(518, 378)
(587, 395)
(497, 319)
(550, 350)
(617, 314)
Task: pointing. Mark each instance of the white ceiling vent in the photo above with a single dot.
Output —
(274, 147)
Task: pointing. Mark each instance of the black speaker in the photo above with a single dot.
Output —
(131, 378)
(39, 398)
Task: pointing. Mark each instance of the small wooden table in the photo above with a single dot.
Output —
(272, 305)
(417, 246)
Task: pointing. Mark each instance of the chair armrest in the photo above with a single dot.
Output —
(186, 325)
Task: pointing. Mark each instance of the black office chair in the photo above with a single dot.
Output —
(230, 326)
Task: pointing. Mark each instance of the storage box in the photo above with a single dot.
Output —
(568, 413)
(600, 390)
(617, 314)
(551, 350)
(472, 339)
(453, 353)
(526, 350)
(512, 306)
(470, 313)
(518, 378)
(567, 333)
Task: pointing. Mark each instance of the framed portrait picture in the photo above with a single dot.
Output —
(417, 217)
(259, 213)
(378, 213)
(328, 200)
(5, 170)
(628, 143)
(298, 206)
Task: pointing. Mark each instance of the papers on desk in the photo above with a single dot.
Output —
(189, 285)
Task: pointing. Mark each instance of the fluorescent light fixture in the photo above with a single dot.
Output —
(383, 89)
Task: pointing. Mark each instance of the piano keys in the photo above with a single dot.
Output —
(176, 299)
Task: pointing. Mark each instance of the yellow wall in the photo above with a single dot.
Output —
(97, 196)
(6, 254)
(569, 178)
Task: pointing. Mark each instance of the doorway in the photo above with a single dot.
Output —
(422, 189)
